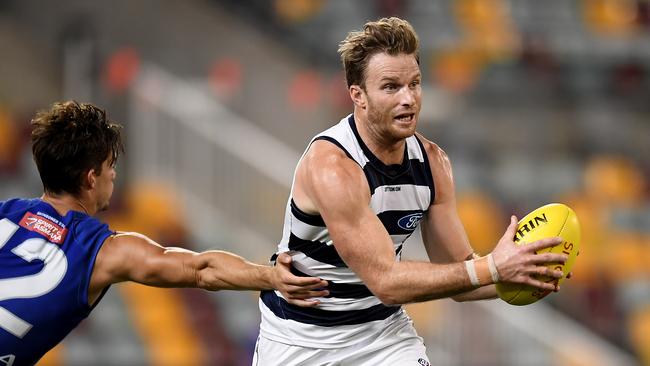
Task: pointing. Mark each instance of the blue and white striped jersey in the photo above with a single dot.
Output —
(400, 195)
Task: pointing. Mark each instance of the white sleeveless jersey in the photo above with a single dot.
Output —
(400, 195)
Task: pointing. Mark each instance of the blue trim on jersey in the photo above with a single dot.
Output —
(341, 290)
(333, 141)
(316, 250)
(376, 178)
(313, 220)
(398, 251)
(427, 171)
(282, 309)
(392, 170)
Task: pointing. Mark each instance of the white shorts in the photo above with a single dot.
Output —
(398, 345)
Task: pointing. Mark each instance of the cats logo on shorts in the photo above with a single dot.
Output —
(423, 362)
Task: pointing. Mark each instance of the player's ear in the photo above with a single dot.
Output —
(358, 96)
(90, 178)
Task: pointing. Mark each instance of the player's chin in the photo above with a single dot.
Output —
(104, 207)
(404, 129)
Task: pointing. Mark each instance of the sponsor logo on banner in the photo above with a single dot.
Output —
(54, 233)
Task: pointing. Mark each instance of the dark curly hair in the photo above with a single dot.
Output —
(390, 35)
(70, 139)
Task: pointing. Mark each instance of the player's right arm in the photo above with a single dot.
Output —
(135, 257)
(329, 183)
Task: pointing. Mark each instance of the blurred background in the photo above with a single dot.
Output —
(534, 101)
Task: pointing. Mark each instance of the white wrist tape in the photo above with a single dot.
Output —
(482, 271)
(493, 268)
(471, 271)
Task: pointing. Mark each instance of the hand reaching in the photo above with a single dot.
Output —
(297, 290)
(520, 263)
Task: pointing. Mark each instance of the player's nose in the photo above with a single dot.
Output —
(407, 96)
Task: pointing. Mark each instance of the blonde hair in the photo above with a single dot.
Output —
(386, 35)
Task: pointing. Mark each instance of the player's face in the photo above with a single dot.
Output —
(104, 185)
(393, 95)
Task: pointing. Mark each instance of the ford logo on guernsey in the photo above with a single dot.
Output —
(410, 222)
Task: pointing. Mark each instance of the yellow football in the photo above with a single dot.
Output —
(554, 219)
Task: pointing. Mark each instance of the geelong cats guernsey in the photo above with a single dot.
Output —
(46, 261)
(400, 195)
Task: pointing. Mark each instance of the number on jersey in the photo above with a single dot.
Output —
(30, 286)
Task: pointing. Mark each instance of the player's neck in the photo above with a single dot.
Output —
(389, 151)
(66, 202)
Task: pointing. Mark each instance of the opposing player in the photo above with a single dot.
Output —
(360, 190)
(57, 261)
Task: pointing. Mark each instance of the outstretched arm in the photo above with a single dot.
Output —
(135, 257)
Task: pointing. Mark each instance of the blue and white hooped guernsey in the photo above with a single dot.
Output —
(401, 194)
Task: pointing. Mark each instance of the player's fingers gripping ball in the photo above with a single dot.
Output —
(551, 220)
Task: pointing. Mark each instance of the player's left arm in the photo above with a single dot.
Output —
(443, 233)
(135, 257)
